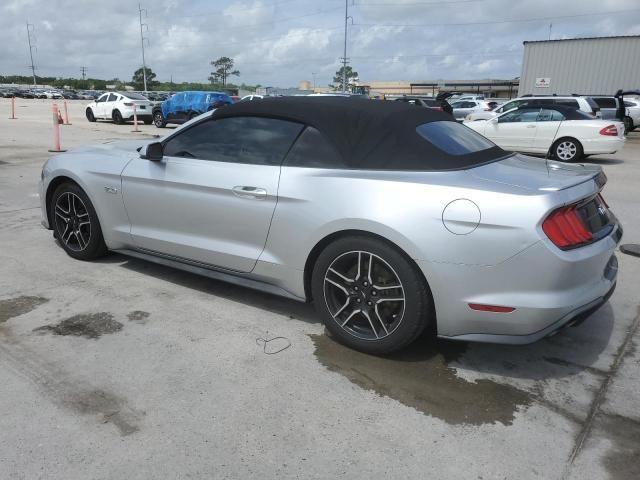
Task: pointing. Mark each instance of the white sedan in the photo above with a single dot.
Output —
(566, 133)
(118, 106)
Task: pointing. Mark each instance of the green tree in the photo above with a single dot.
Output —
(338, 79)
(138, 78)
(224, 69)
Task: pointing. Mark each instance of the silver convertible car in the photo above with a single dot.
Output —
(392, 219)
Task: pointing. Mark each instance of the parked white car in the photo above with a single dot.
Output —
(585, 104)
(118, 106)
(462, 108)
(632, 113)
(566, 133)
(53, 94)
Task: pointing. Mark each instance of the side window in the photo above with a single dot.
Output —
(530, 115)
(606, 102)
(253, 140)
(313, 151)
(550, 116)
(567, 102)
(102, 98)
(112, 97)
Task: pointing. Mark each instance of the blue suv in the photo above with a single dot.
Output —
(183, 106)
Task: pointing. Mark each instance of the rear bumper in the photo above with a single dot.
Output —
(605, 145)
(548, 288)
(572, 318)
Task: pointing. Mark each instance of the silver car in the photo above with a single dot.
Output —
(392, 219)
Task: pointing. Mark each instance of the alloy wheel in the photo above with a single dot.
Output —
(72, 221)
(364, 295)
(566, 150)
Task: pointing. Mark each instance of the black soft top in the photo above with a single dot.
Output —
(569, 113)
(368, 134)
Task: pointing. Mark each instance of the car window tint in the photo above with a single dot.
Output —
(253, 140)
(630, 104)
(312, 150)
(103, 98)
(112, 97)
(550, 116)
(606, 102)
(567, 102)
(522, 115)
(453, 138)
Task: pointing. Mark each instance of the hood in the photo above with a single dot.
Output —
(113, 146)
(538, 174)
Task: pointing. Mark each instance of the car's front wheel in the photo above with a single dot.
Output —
(75, 223)
(567, 150)
(90, 116)
(158, 120)
(371, 297)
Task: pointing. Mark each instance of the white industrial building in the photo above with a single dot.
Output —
(596, 66)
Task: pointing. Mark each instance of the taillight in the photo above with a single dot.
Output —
(128, 104)
(565, 228)
(481, 307)
(610, 131)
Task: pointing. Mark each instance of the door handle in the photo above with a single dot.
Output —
(244, 191)
(531, 126)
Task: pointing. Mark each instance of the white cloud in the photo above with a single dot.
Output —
(279, 42)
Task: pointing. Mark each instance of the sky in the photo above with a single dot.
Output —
(281, 42)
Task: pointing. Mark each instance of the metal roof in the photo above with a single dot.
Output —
(580, 38)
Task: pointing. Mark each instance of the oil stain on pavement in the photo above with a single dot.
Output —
(90, 325)
(138, 316)
(420, 377)
(111, 409)
(14, 307)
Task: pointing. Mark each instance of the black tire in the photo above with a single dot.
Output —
(158, 119)
(88, 242)
(628, 125)
(90, 116)
(567, 150)
(390, 266)
(117, 117)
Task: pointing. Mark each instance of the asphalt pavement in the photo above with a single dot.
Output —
(123, 369)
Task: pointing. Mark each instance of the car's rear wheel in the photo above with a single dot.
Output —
(628, 124)
(370, 296)
(158, 120)
(117, 117)
(75, 223)
(90, 116)
(567, 150)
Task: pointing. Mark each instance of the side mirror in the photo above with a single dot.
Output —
(154, 152)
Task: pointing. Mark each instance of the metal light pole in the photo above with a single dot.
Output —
(33, 68)
(344, 58)
(144, 65)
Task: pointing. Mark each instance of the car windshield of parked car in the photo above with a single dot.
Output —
(453, 138)
(134, 96)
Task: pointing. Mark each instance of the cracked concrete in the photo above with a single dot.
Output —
(180, 389)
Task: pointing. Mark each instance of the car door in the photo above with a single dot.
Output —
(514, 130)
(100, 102)
(462, 109)
(107, 106)
(546, 129)
(211, 198)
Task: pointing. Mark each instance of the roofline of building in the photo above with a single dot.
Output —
(580, 38)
